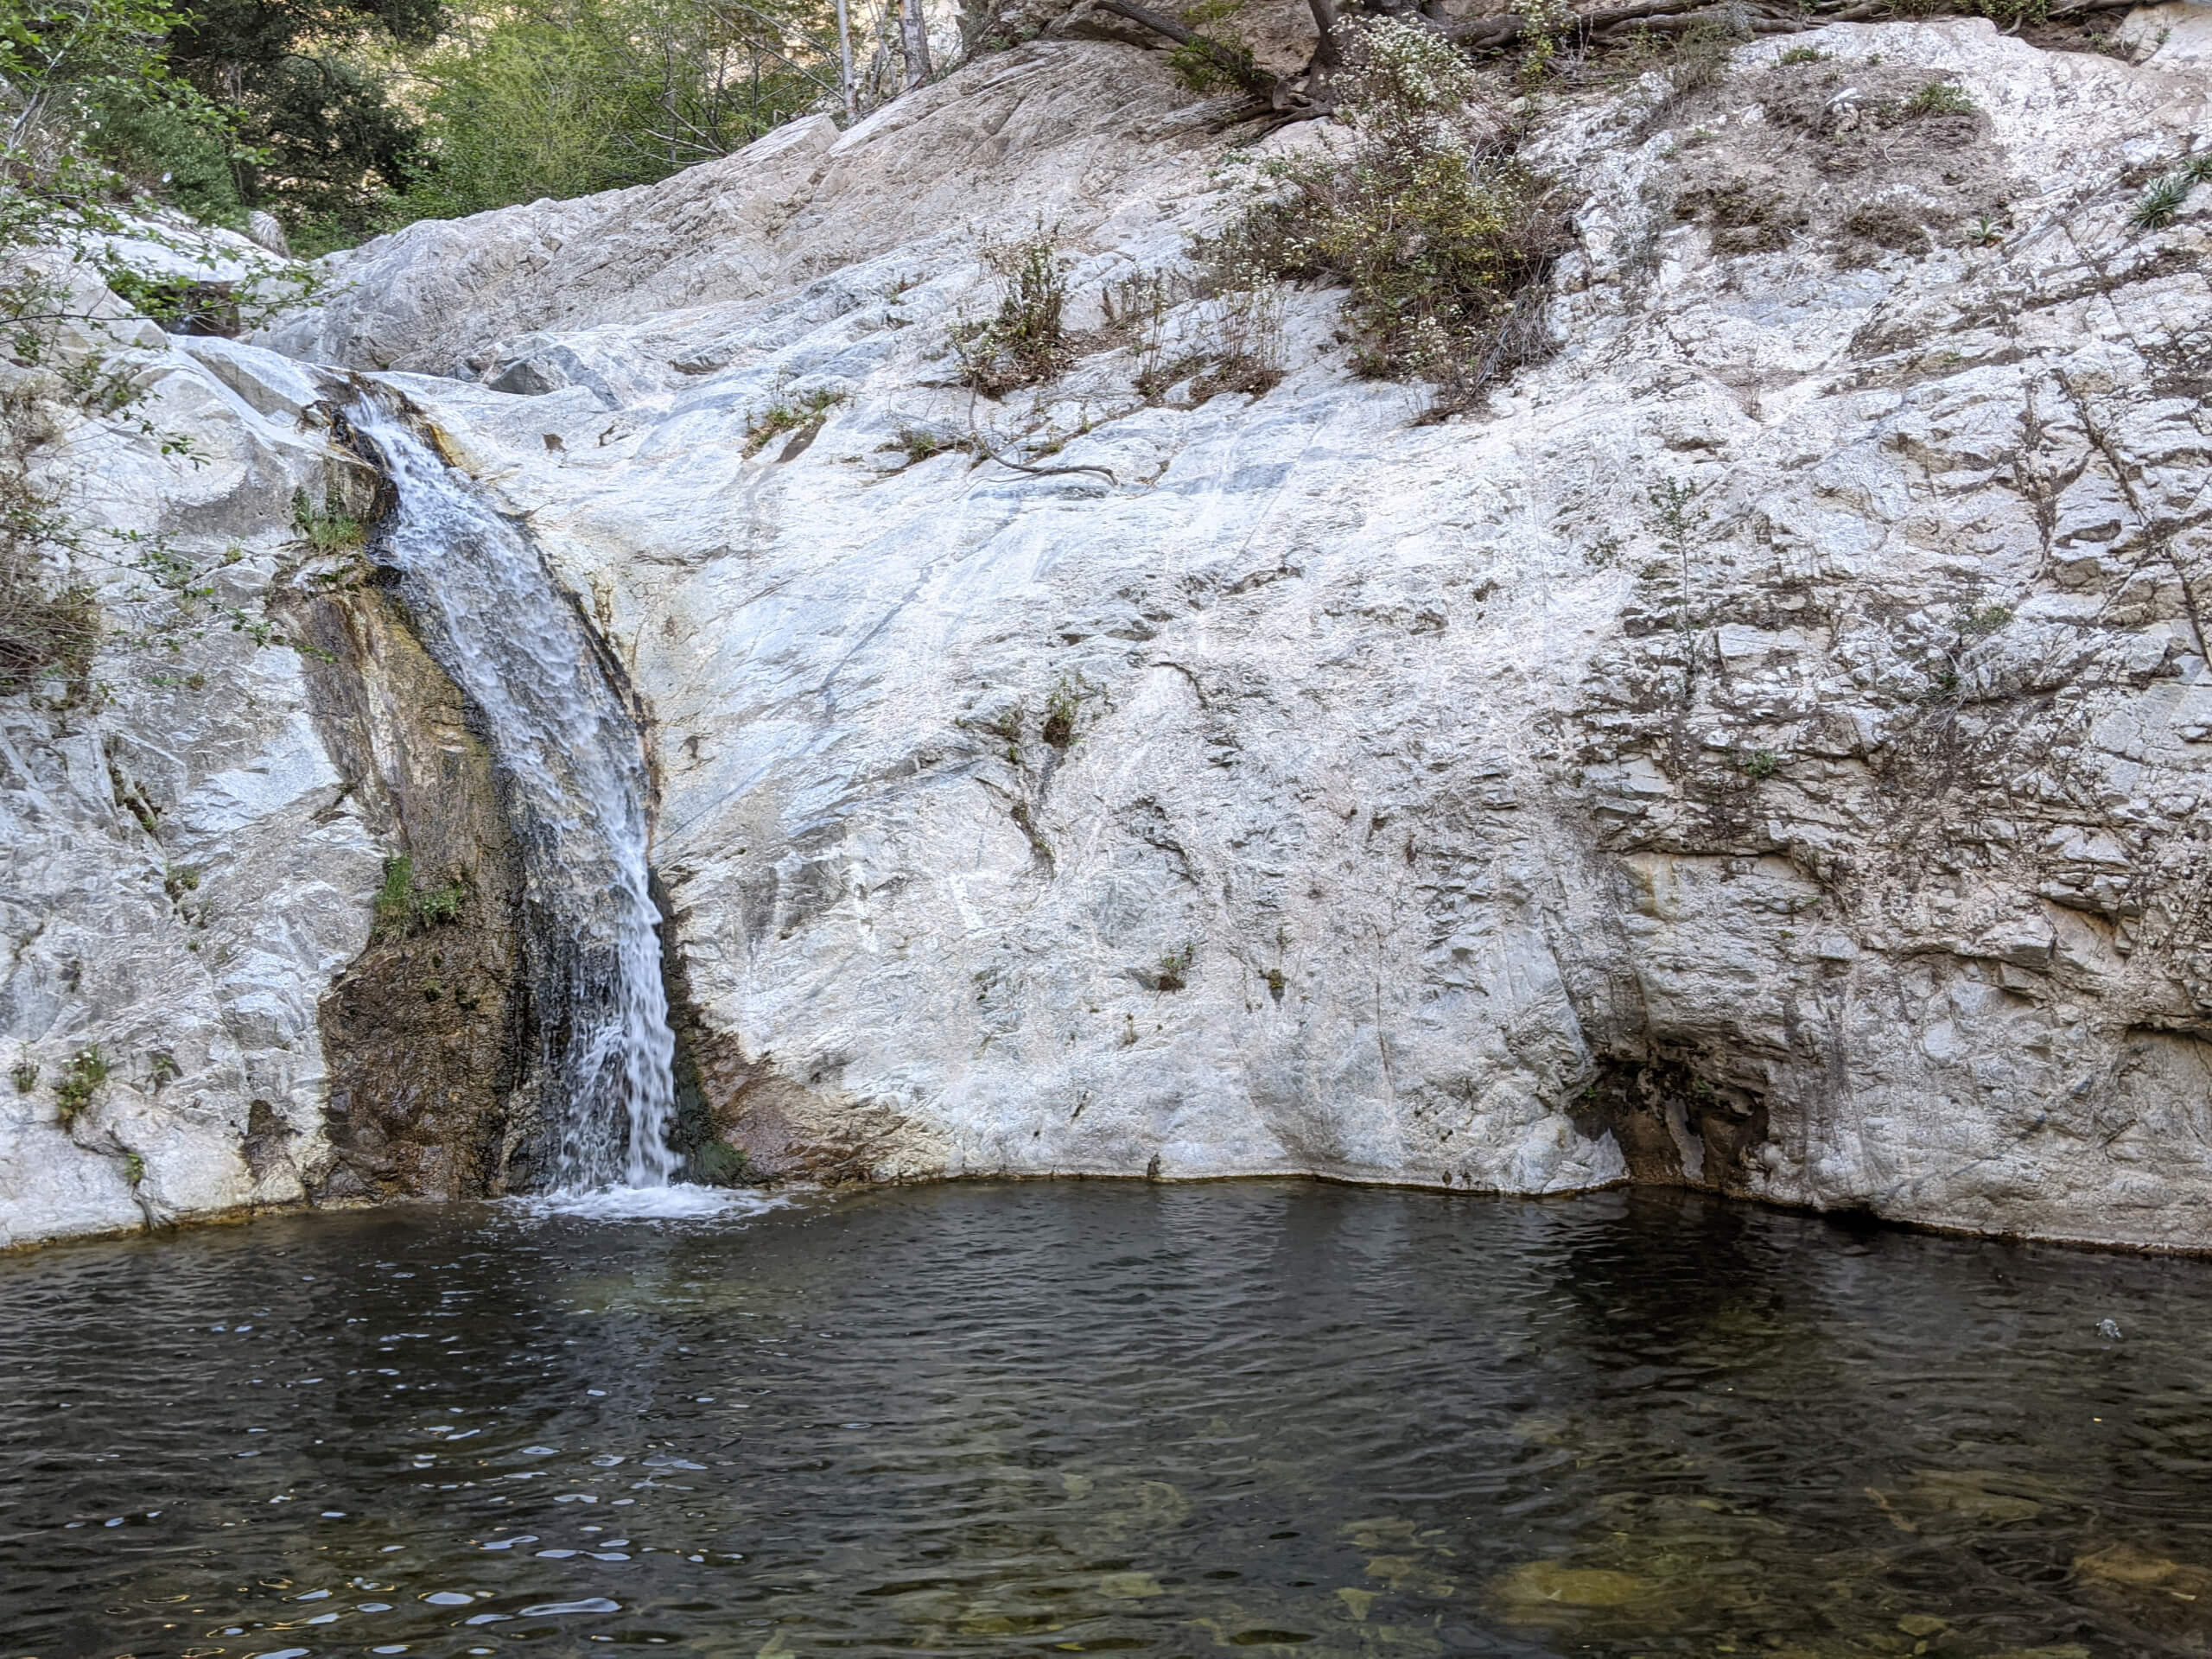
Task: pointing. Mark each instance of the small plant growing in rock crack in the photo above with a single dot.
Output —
(921, 443)
(1803, 54)
(1939, 98)
(402, 908)
(1062, 705)
(1761, 764)
(1025, 342)
(81, 1076)
(162, 1067)
(134, 1168)
(1174, 972)
(329, 528)
(1277, 981)
(177, 880)
(24, 1073)
(801, 414)
(2162, 203)
(1442, 240)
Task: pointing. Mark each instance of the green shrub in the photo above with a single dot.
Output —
(81, 1076)
(1025, 341)
(169, 146)
(1442, 239)
(2162, 203)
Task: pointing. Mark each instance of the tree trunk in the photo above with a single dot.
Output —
(914, 39)
(845, 62)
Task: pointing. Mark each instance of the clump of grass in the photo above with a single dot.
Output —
(1025, 342)
(804, 414)
(2162, 203)
(24, 1074)
(402, 908)
(1442, 240)
(1803, 54)
(81, 1076)
(328, 528)
(1938, 97)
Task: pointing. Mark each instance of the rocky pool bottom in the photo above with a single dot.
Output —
(1087, 1417)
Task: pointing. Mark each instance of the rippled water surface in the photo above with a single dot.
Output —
(1088, 1417)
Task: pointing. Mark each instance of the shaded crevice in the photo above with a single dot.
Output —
(1674, 1125)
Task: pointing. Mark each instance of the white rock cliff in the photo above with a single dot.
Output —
(1766, 749)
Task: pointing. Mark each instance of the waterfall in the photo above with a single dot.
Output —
(571, 768)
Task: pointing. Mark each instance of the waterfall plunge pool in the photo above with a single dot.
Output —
(1084, 1417)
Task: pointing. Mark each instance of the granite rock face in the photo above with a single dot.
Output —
(184, 872)
(1767, 748)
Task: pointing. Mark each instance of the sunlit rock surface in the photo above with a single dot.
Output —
(1768, 748)
(183, 871)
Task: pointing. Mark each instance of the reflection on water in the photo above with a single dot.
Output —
(1094, 1417)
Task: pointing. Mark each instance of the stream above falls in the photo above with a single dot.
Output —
(1083, 1417)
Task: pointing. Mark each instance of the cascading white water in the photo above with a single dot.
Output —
(572, 767)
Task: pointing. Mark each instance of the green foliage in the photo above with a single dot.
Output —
(1215, 59)
(329, 529)
(1761, 764)
(1803, 54)
(921, 443)
(800, 414)
(2011, 15)
(85, 1071)
(562, 98)
(1062, 705)
(1442, 239)
(1939, 98)
(1025, 341)
(1174, 972)
(166, 140)
(24, 1074)
(404, 908)
(134, 1168)
(2162, 203)
(322, 141)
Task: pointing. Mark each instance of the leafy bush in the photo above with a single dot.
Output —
(1025, 342)
(1443, 241)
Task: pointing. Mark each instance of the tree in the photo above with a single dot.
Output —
(323, 141)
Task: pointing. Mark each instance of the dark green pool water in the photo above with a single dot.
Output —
(1092, 1417)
